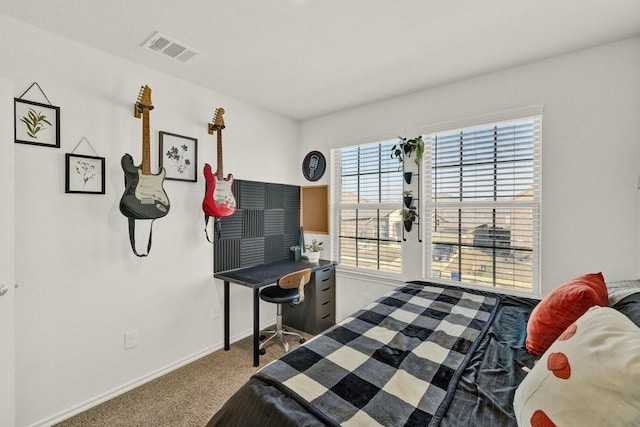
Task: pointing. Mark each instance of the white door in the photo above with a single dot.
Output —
(7, 260)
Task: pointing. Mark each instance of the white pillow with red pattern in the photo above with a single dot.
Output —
(590, 376)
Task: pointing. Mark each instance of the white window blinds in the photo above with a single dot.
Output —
(483, 199)
(367, 200)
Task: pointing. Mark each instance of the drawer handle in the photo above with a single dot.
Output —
(326, 316)
(326, 289)
(325, 303)
(328, 278)
(326, 269)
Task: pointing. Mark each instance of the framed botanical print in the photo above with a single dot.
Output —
(84, 174)
(178, 156)
(36, 123)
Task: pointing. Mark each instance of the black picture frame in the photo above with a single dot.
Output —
(84, 174)
(36, 123)
(179, 157)
(314, 166)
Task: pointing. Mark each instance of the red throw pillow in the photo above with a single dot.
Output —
(561, 307)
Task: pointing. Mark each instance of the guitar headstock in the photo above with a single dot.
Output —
(144, 101)
(218, 121)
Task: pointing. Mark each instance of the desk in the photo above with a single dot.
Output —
(257, 277)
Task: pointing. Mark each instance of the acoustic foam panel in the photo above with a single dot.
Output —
(263, 228)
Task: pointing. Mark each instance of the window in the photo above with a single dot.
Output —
(367, 202)
(483, 198)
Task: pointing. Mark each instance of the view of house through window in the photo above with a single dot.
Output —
(483, 193)
(368, 200)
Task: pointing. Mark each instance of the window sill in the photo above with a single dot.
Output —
(378, 277)
(504, 291)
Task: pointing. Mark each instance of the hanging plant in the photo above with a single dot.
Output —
(409, 216)
(408, 147)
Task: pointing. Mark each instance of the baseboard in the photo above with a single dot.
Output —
(95, 401)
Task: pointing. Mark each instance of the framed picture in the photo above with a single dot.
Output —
(179, 157)
(35, 123)
(84, 174)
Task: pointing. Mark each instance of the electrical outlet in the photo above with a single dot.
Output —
(215, 312)
(131, 340)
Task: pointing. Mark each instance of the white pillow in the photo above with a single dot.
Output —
(590, 376)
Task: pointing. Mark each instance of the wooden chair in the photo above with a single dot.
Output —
(289, 290)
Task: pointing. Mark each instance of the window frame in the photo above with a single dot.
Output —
(338, 206)
(510, 116)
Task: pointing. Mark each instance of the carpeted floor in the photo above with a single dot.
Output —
(188, 396)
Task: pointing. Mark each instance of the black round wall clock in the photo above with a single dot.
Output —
(314, 165)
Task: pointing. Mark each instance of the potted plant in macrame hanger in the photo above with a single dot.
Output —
(313, 251)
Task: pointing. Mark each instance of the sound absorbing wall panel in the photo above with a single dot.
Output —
(265, 226)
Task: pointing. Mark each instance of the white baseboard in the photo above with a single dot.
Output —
(95, 401)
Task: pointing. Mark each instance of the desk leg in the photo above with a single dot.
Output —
(226, 315)
(256, 326)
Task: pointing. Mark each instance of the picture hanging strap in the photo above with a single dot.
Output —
(132, 237)
(84, 138)
(41, 91)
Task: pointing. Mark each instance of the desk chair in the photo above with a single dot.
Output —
(290, 289)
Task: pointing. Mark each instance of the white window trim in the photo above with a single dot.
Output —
(378, 277)
(496, 117)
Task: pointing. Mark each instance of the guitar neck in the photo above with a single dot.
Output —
(219, 172)
(146, 143)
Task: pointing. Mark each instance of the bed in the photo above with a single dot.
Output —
(423, 354)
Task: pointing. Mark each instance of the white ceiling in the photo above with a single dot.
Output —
(307, 58)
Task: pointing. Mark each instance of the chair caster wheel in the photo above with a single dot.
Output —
(302, 340)
(262, 337)
(262, 352)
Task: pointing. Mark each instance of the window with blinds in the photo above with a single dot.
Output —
(367, 201)
(483, 198)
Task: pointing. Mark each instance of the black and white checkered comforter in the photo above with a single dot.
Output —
(394, 363)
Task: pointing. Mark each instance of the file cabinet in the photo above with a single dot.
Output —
(318, 311)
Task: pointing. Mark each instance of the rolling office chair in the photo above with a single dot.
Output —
(289, 290)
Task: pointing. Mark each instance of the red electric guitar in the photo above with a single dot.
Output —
(218, 198)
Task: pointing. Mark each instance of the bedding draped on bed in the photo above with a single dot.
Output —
(397, 362)
(492, 365)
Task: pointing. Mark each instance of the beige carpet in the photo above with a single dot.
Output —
(188, 396)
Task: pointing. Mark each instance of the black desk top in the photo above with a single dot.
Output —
(267, 274)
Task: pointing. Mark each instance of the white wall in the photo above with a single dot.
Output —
(591, 149)
(81, 287)
(7, 259)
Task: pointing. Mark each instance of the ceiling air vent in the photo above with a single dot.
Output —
(167, 46)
